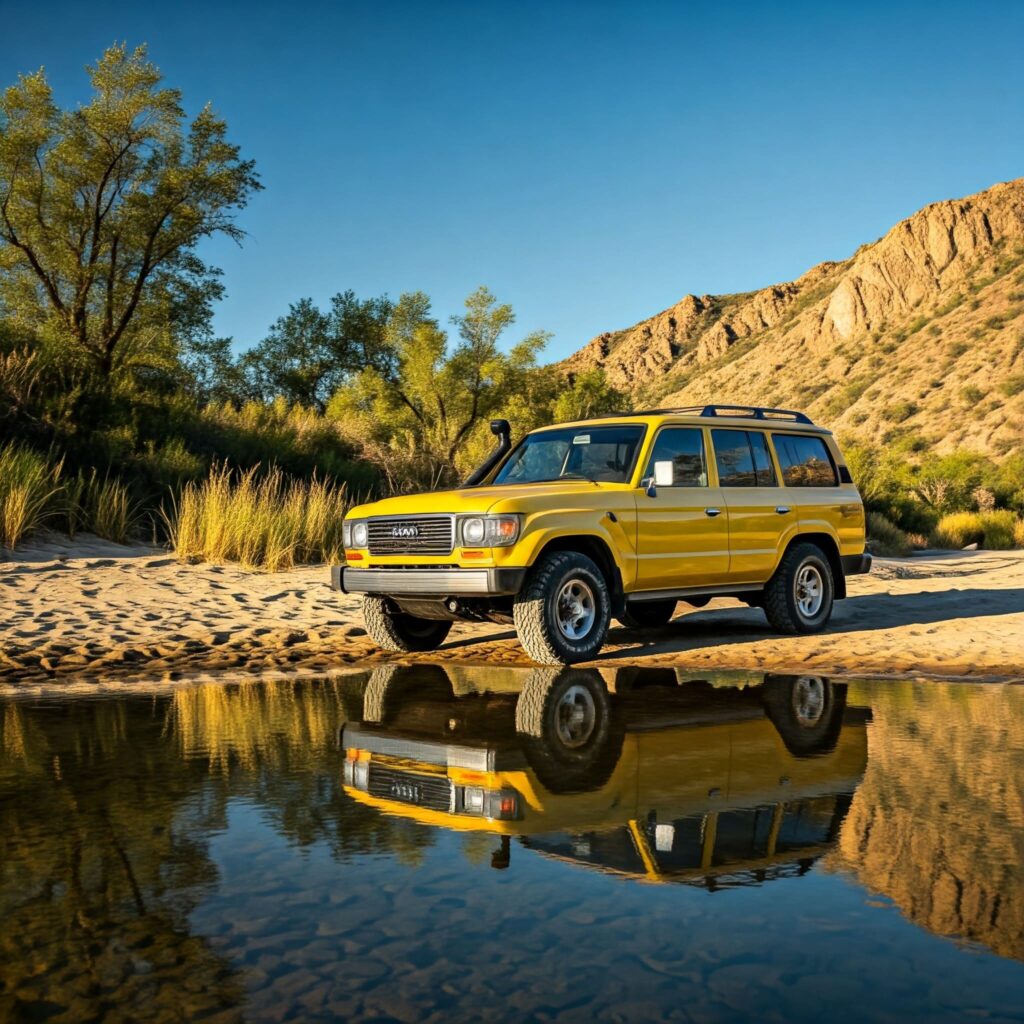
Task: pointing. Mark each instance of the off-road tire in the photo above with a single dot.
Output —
(401, 633)
(534, 610)
(647, 614)
(780, 603)
(558, 767)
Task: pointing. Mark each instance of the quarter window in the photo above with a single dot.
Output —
(804, 461)
(684, 448)
(742, 459)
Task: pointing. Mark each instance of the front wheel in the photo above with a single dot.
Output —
(395, 631)
(798, 598)
(563, 611)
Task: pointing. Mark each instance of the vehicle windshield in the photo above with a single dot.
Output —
(604, 453)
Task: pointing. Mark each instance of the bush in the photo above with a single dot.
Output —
(999, 529)
(30, 492)
(886, 538)
(263, 522)
(958, 529)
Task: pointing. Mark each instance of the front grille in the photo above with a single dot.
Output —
(431, 791)
(430, 535)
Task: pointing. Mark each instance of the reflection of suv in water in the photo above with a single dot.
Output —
(663, 778)
(617, 517)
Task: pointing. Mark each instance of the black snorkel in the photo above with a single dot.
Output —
(503, 432)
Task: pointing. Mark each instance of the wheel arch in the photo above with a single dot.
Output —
(830, 548)
(599, 551)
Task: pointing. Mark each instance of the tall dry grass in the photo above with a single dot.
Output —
(30, 492)
(996, 530)
(263, 521)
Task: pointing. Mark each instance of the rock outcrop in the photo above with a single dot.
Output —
(923, 329)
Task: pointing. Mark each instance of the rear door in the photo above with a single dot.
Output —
(812, 484)
(682, 531)
(759, 517)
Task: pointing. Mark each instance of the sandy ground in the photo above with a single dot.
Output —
(90, 612)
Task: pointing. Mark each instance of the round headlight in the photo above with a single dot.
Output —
(472, 531)
(359, 535)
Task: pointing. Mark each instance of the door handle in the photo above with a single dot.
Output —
(782, 509)
(712, 512)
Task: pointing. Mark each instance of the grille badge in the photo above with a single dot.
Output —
(408, 531)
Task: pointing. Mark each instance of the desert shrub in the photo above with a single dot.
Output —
(958, 529)
(30, 492)
(262, 521)
(886, 538)
(899, 411)
(971, 395)
(998, 526)
(1012, 385)
(1018, 533)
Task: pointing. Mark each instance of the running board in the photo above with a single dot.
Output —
(682, 593)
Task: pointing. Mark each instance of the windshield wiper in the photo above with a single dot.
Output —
(566, 476)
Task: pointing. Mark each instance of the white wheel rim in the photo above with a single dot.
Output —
(575, 716)
(575, 610)
(810, 590)
(809, 700)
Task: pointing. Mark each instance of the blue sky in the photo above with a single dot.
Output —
(590, 162)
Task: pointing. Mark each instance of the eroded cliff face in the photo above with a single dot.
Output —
(924, 327)
(937, 825)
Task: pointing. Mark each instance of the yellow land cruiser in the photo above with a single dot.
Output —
(619, 517)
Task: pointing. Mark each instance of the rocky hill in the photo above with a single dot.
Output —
(922, 330)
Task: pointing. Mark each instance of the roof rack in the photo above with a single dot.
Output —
(752, 411)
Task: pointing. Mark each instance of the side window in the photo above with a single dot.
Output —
(804, 461)
(684, 448)
(742, 459)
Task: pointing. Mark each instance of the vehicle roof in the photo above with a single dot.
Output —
(789, 420)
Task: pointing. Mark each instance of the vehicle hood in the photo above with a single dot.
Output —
(470, 500)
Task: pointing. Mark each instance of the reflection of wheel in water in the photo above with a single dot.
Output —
(807, 711)
(572, 738)
(388, 684)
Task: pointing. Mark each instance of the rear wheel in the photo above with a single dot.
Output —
(798, 598)
(396, 631)
(647, 614)
(807, 711)
(563, 611)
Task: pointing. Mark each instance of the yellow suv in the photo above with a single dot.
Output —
(618, 517)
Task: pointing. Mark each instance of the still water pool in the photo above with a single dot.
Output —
(428, 844)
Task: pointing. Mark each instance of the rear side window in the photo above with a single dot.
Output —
(684, 448)
(742, 459)
(804, 461)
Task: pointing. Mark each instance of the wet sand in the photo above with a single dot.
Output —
(88, 612)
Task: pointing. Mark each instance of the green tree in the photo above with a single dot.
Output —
(309, 353)
(417, 412)
(101, 209)
(585, 395)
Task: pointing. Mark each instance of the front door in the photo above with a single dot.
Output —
(683, 529)
(760, 516)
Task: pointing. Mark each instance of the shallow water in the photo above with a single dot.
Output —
(420, 844)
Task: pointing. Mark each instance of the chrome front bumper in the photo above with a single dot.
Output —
(427, 582)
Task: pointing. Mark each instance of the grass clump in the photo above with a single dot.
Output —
(886, 537)
(263, 521)
(996, 530)
(30, 492)
(957, 530)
